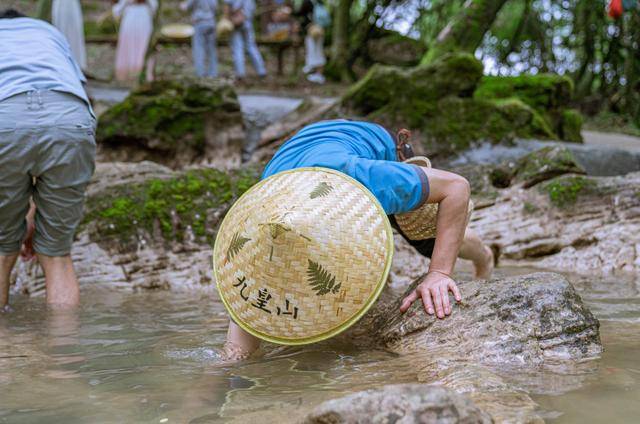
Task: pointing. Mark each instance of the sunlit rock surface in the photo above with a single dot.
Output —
(403, 403)
(174, 122)
(574, 223)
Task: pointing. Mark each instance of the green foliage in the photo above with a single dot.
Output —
(564, 191)
(166, 207)
(321, 190)
(321, 281)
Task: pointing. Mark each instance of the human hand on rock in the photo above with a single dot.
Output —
(434, 292)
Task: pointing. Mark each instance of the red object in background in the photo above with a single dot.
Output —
(615, 9)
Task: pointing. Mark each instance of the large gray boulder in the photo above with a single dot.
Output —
(401, 404)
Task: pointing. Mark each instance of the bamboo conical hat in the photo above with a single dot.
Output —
(302, 255)
(177, 31)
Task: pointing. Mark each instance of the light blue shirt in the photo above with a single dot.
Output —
(248, 6)
(202, 11)
(36, 56)
(362, 150)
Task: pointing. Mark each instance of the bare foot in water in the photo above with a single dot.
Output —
(231, 352)
(484, 269)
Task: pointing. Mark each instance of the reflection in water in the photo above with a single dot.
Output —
(153, 357)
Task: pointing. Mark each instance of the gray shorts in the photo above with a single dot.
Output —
(47, 150)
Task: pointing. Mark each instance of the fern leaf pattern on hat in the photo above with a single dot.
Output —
(236, 244)
(321, 190)
(321, 281)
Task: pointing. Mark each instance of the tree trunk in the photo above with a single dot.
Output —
(466, 30)
(338, 67)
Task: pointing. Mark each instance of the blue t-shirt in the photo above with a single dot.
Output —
(36, 56)
(362, 150)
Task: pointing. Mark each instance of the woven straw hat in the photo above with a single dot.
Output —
(177, 31)
(420, 224)
(302, 255)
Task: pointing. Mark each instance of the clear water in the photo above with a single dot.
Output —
(151, 357)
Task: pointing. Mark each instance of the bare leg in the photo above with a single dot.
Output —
(60, 279)
(6, 265)
(477, 252)
(240, 344)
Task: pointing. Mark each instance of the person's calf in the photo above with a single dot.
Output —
(6, 266)
(60, 279)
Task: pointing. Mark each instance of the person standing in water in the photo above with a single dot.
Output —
(203, 42)
(47, 152)
(240, 13)
(372, 156)
(134, 34)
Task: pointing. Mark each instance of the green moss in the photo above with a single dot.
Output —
(530, 208)
(105, 27)
(564, 191)
(169, 206)
(459, 122)
(168, 115)
(541, 92)
(544, 164)
(571, 125)
(438, 100)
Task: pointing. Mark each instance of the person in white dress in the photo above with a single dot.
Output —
(136, 27)
(66, 15)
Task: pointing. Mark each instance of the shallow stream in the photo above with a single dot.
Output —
(151, 357)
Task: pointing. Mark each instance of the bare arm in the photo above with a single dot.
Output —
(451, 192)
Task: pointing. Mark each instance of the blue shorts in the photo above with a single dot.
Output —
(362, 150)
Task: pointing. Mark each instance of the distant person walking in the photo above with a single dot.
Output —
(203, 42)
(47, 152)
(134, 34)
(315, 19)
(240, 13)
(66, 15)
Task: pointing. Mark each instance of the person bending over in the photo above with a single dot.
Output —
(371, 155)
(47, 152)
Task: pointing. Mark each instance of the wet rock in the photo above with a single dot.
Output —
(519, 321)
(173, 122)
(580, 224)
(403, 403)
(516, 326)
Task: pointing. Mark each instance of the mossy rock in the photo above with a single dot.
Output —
(168, 210)
(167, 119)
(548, 94)
(544, 164)
(571, 126)
(411, 94)
(542, 92)
(564, 191)
(460, 122)
(438, 101)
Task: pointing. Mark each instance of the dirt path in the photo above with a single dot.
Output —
(619, 141)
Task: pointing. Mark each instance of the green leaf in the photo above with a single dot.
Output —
(321, 190)
(277, 229)
(237, 243)
(321, 281)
